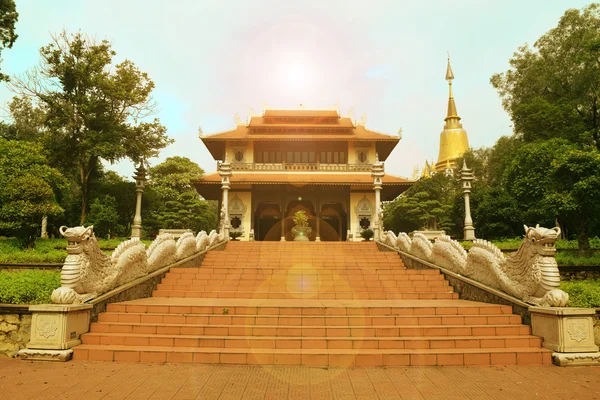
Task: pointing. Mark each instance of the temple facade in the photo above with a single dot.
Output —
(283, 161)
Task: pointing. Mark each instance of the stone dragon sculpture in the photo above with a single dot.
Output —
(530, 274)
(88, 272)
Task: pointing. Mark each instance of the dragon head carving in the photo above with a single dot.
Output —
(542, 240)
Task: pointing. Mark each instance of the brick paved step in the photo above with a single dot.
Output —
(277, 287)
(311, 342)
(309, 320)
(316, 357)
(307, 307)
(238, 294)
(489, 330)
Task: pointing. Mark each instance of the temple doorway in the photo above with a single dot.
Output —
(333, 223)
(267, 222)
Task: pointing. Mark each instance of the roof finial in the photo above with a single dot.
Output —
(449, 73)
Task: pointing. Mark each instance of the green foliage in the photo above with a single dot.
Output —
(367, 234)
(171, 202)
(94, 110)
(103, 215)
(8, 19)
(28, 190)
(551, 90)
(111, 184)
(300, 219)
(235, 235)
(51, 251)
(583, 293)
(426, 205)
(28, 287)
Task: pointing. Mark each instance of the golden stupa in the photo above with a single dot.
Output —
(453, 139)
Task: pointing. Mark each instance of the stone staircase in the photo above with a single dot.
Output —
(317, 304)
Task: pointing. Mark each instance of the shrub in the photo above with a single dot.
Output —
(235, 235)
(583, 293)
(28, 287)
(367, 234)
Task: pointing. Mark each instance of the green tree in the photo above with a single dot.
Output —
(28, 190)
(103, 215)
(553, 89)
(172, 201)
(110, 184)
(94, 110)
(426, 205)
(8, 19)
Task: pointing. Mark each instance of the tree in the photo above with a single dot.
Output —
(173, 202)
(576, 190)
(28, 190)
(426, 205)
(110, 184)
(103, 215)
(8, 19)
(553, 90)
(94, 110)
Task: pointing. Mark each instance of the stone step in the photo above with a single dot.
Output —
(265, 287)
(315, 357)
(310, 320)
(307, 307)
(311, 342)
(236, 294)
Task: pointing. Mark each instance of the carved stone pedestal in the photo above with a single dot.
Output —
(567, 331)
(55, 329)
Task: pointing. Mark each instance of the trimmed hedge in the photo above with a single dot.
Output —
(28, 287)
(583, 293)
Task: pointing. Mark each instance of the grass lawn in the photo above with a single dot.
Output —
(46, 250)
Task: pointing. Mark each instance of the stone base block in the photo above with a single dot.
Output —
(576, 359)
(564, 329)
(45, 355)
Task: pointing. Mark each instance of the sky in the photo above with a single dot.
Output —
(387, 59)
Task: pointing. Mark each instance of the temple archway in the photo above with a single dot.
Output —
(267, 222)
(333, 225)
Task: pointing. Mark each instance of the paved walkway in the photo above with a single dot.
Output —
(101, 380)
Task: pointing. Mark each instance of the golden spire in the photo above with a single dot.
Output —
(452, 119)
(453, 139)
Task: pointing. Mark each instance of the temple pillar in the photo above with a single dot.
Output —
(283, 220)
(225, 173)
(318, 216)
(466, 176)
(377, 172)
(140, 179)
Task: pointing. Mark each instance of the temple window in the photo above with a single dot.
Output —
(365, 223)
(362, 157)
(236, 222)
(239, 156)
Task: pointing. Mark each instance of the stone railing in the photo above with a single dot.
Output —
(299, 167)
(88, 273)
(530, 274)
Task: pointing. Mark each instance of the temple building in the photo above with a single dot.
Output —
(284, 161)
(453, 139)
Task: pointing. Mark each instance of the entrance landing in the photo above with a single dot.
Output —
(317, 304)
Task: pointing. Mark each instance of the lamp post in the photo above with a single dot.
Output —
(377, 172)
(225, 173)
(140, 181)
(466, 177)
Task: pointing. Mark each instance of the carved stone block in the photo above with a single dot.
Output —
(564, 329)
(58, 327)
